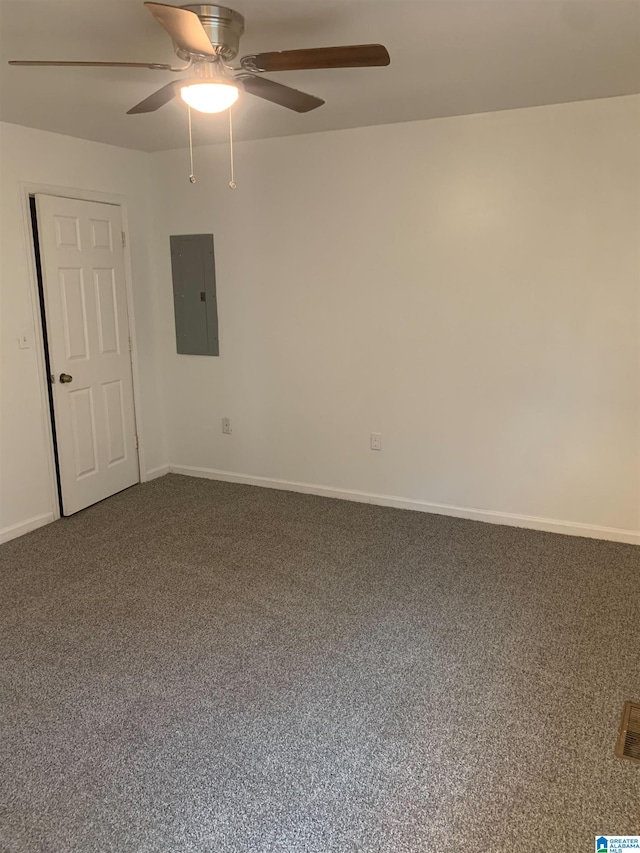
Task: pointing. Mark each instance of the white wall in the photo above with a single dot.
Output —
(468, 287)
(34, 156)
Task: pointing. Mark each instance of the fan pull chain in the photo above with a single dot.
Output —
(232, 183)
(192, 177)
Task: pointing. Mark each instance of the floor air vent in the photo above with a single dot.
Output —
(628, 745)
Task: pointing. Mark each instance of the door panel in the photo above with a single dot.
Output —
(87, 328)
(74, 313)
(107, 311)
(83, 430)
(101, 234)
(114, 410)
(67, 232)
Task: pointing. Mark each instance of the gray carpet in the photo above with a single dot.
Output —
(200, 666)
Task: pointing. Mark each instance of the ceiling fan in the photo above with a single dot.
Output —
(207, 37)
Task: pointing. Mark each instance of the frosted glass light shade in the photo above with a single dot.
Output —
(209, 97)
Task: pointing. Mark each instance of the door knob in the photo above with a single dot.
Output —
(64, 377)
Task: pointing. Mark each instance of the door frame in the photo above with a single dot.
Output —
(27, 189)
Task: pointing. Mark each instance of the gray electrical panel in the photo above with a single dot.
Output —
(194, 294)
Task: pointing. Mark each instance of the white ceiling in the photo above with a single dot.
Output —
(448, 57)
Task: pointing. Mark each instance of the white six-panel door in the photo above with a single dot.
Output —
(88, 337)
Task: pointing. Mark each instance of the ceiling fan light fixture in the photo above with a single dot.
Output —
(209, 97)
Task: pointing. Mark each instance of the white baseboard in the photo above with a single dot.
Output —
(154, 473)
(15, 530)
(551, 525)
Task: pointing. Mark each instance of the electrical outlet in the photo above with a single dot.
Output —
(226, 426)
(376, 441)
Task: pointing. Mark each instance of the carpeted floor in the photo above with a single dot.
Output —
(199, 666)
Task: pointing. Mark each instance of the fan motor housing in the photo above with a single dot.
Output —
(223, 27)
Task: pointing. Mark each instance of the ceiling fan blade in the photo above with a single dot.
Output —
(279, 94)
(184, 27)
(154, 65)
(349, 56)
(157, 99)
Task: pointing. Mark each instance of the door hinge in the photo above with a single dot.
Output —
(124, 239)
(130, 344)
(137, 443)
